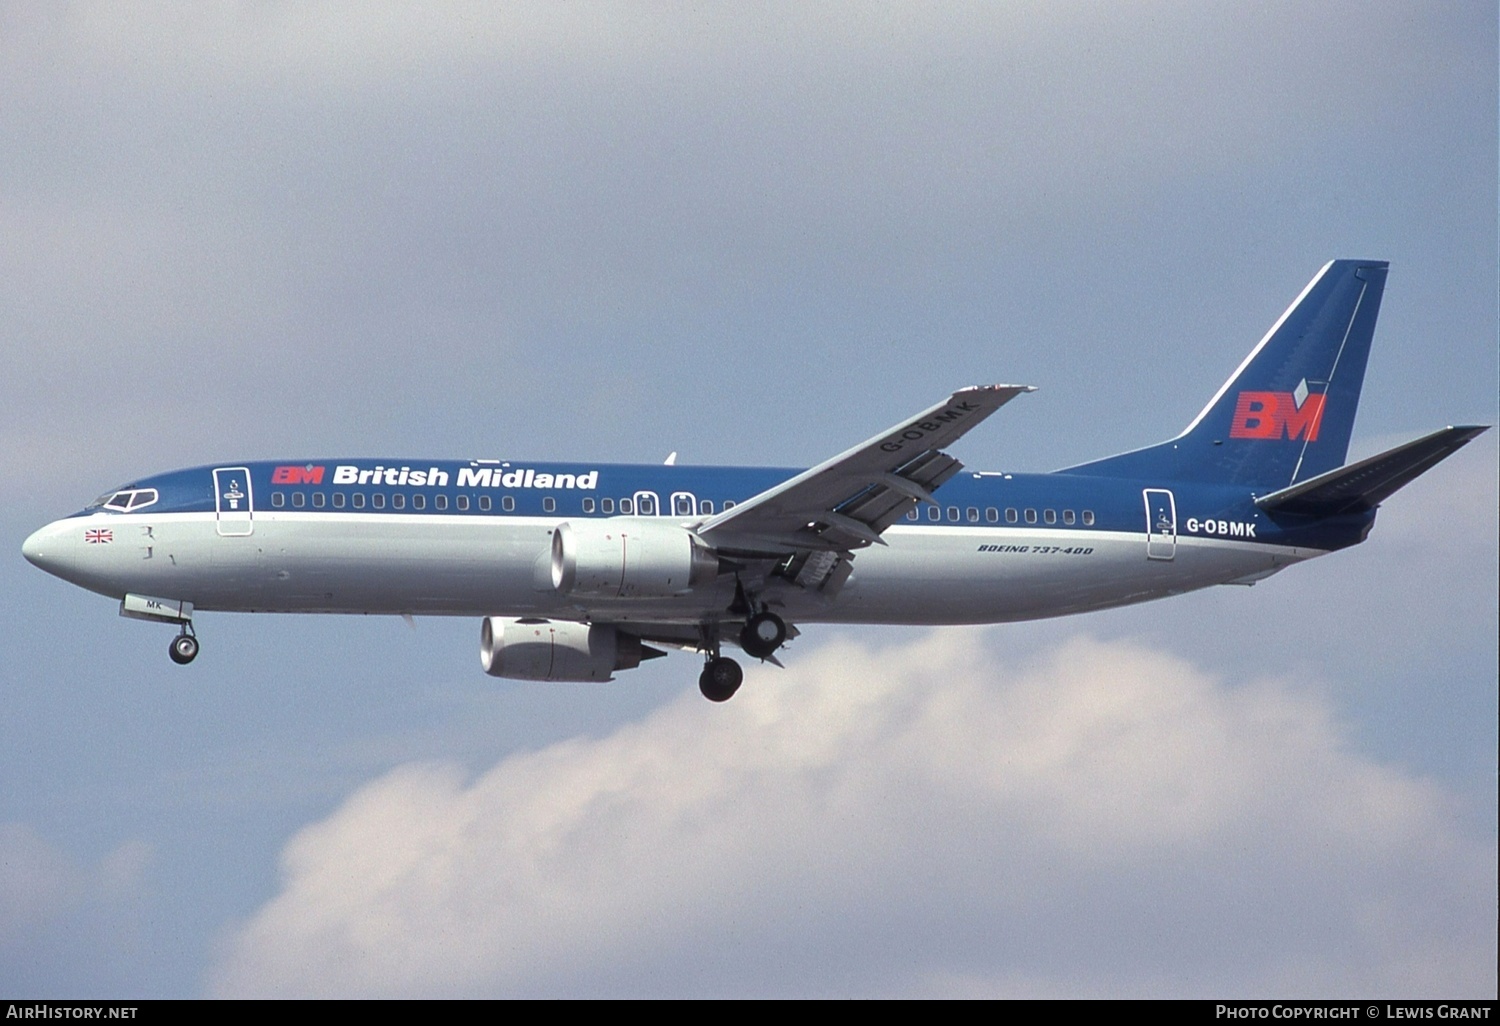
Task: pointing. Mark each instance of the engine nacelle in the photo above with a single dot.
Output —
(555, 650)
(624, 557)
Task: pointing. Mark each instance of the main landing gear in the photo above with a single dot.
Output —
(720, 679)
(761, 636)
(184, 647)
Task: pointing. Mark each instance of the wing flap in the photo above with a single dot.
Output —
(888, 499)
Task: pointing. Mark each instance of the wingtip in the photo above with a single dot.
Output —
(999, 388)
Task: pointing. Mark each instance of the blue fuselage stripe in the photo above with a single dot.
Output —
(418, 488)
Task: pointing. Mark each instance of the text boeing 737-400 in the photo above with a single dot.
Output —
(580, 570)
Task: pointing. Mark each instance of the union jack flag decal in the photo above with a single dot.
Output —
(98, 537)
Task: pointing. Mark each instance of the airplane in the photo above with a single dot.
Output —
(580, 570)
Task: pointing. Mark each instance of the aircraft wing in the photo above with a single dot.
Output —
(845, 503)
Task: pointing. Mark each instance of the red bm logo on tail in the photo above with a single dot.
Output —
(1276, 415)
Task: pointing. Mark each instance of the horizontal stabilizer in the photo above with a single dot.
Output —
(1366, 484)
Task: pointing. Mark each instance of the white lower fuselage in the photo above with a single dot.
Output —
(481, 566)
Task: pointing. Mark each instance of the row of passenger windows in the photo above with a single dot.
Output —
(645, 505)
(1012, 515)
(682, 504)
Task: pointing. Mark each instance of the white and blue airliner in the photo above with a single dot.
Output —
(582, 569)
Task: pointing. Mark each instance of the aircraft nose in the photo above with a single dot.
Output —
(44, 549)
(35, 549)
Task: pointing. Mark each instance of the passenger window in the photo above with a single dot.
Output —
(440, 501)
(398, 501)
(484, 503)
(549, 504)
(729, 504)
(913, 514)
(1088, 518)
(338, 500)
(706, 506)
(461, 503)
(973, 514)
(1068, 516)
(682, 506)
(359, 500)
(934, 514)
(992, 514)
(1011, 516)
(319, 500)
(625, 506)
(419, 502)
(508, 503)
(607, 505)
(1050, 515)
(298, 500)
(953, 513)
(1031, 516)
(378, 500)
(588, 505)
(646, 505)
(277, 499)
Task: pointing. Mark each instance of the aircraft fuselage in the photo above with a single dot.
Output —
(998, 547)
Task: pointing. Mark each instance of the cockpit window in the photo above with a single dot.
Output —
(125, 500)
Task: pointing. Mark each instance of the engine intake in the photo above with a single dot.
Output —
(624, 557)
(557, 650)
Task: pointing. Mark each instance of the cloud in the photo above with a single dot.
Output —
(922, 819)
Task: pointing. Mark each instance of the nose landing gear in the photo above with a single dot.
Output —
(184, 648)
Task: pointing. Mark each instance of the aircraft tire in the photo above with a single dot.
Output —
(184, 649)
(764, 633)
(720, 679)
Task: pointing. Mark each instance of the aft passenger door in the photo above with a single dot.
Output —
(1161, 524)
(232, 501)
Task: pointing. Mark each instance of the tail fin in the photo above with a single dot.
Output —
(1287, 413)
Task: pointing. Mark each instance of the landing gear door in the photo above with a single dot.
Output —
(232, 501)
(1161, 524)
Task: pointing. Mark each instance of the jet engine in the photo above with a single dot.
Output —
(550, 650)
(627, 558)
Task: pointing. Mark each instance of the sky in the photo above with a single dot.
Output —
(752, 235)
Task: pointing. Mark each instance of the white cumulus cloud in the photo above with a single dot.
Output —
(923, 819)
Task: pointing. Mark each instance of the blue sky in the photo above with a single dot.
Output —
(608, 232)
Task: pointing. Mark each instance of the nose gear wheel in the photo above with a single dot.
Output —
(184, 648)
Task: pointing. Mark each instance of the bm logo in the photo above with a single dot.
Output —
(297, 475)
(1278, 415)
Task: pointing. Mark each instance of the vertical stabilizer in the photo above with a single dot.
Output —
(1287, 413)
